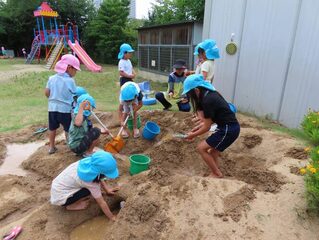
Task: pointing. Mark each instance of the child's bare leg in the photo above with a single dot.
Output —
(52, 134)
(83, 203)
(136, 132)
(120, 112)
(209, 159)
(66, 134)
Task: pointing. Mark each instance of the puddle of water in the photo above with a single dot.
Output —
(16, 154)
(93, 229)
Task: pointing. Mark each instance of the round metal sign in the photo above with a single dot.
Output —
(231, 48)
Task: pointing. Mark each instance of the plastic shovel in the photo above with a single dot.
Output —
(117, 144)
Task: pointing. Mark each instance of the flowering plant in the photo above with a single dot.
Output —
(310, 125)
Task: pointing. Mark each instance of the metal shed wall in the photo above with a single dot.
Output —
(274, 73)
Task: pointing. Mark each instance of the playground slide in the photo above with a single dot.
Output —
(84, 57)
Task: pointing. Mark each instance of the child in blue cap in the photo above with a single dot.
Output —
(83, 137)
(130, 101)
(127, 73)
(207, 51)
(78, 92)
(74, 185)
(175, 89)
(59, 91)
(212, 108)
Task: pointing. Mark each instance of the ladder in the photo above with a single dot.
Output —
(55, 54)
(34, 50)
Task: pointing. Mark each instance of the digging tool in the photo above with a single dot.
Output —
(117, 144)
(100, 122)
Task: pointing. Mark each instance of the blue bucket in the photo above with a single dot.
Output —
(151, 130)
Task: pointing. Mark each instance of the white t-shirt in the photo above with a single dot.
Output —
(126, 105)
(198, 68)
(209, 67)
(68, 182)
(125, 65)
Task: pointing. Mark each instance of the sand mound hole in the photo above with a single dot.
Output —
(251, 140)
(297, 153)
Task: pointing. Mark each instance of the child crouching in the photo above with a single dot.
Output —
(74, 185)
(83, 137)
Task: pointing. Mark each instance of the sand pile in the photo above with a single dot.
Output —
(259, 198)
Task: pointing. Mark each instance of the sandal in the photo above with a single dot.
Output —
(136, 133)
(52, 150)
(124, 134)
(13, 233)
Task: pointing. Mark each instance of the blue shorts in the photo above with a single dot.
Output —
(224, 137)
(57, 118)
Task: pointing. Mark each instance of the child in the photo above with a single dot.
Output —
(127, 73)
(207, 51)
(59, 90)
(74, 185)
(78, 92)
(83, 137)
(130, 101)
(24, 52)
(175, 88)
(211, 107)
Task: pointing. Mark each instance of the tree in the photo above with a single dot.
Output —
(107, 31)
(166, 11)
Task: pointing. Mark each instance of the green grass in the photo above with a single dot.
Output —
(23, 102)
(8, 64)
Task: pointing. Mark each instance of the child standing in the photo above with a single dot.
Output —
(127, 73)
(175, 88)
(212, 108)
(207, 51)
(59, 91)
(130, 101)
(83, 137)
(74, 185)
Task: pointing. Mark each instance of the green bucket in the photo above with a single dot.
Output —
(130, 122)
(139, 163)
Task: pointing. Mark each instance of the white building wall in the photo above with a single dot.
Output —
(277, 55)
(302, 87)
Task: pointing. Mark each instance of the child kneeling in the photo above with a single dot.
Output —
(83, 137)
(74, 185)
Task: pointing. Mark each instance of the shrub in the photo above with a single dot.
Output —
(310, 125)
(311, 173)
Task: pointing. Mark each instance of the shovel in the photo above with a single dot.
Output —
(100, 122)
(117, 144)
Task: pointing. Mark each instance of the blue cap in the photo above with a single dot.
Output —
(124, 48)
(194, 81)
(80, 91)
(100, 162)
(129, 92)
(82, 98)
(210, 48)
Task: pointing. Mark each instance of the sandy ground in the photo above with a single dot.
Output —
(20, 69)
(261, 196)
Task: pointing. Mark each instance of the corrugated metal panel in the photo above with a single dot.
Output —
(226, 17)
(302, 88)
(268, 33)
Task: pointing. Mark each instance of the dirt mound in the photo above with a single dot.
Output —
(172, 200)
(251, 140)
(3, 151)
(297, 153)
(236, 203)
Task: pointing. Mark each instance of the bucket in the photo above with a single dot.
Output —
(139, 163)
(151, 130)
(130, 122)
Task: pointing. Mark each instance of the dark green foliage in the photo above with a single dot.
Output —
(108, 30)
(167, 11)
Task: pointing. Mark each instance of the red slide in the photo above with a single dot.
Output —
(84, 57)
